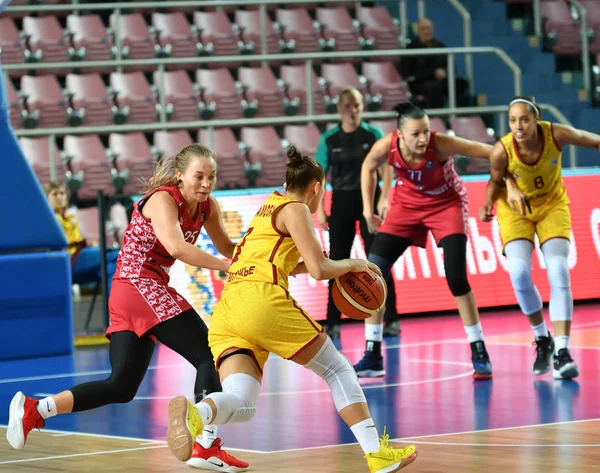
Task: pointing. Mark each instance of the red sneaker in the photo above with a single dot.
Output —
(215, 459)
(23, 417)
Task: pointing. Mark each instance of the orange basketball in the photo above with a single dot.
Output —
(358, 295)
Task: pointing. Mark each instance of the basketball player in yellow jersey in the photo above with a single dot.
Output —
(536, 203)
(257, 316)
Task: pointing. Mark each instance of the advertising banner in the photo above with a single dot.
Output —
(419, 273)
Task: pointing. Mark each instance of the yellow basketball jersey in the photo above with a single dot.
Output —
(265, 254)
(541, 181)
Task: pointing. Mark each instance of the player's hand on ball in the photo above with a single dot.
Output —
(486, 212)
(364, 266)
(373, 223)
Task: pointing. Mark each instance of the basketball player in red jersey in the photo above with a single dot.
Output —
(143, 307)
(429, 196)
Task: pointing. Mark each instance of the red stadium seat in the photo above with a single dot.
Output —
(86, 154)
(169, 143)
(294, 78)
(133, 91)
(89, 92)
(266, 154)
(37, 152)
(44, 94)
(377, 23)
(180, 96)
(304, 137)
(218, 86)
(231, 160)
(133, 153)
(89, 32)
(385, 80)
(12, 47)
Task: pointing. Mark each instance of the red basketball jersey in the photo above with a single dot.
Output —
(142, 255)
(430, 182)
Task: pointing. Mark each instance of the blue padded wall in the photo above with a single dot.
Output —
(30, 224)
(35, 301)
(35, 305)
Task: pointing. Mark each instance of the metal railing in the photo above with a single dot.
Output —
(585, 44)
(537, 18)
(467, 34)
(262, 4)
(307, 57)
(273, 121)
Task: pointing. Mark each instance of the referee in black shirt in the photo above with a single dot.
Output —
(342, 151)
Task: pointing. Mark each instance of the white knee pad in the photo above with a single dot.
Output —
(518, 253)
(338, 373)
(237, 402)
(556, 257)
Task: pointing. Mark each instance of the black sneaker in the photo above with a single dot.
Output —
(371, 366)
(544, 348)
(564, 366)
(482, 366)
(333, 331)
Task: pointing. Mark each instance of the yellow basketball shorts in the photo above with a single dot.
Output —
(550, 220)
(262, 318)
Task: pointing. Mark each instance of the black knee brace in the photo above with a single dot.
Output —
(455, 264)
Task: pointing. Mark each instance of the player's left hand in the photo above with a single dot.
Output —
(383, 206)
(373, 223)
(486, 212)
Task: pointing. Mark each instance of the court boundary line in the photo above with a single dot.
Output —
(409, 439)
(156, 444)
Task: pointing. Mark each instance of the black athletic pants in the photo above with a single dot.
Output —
(130, 357)
(346, 210)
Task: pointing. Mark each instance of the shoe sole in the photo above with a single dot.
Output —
(404, 463)
(14, 432)
(481, 377)
(540, 372)
(370, 373)
(569, 371)
(203, 464)
(179, 437)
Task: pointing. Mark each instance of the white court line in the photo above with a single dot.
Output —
(162, 443)
(550, 424)
(511, 445)
(75, 455)
(411, 439)
(129, 439)
(352, 350)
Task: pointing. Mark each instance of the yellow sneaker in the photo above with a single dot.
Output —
(389, 459)
(185, 424)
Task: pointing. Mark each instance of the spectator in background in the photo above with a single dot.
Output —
(341, 152)
(427, 75)
(85, 255)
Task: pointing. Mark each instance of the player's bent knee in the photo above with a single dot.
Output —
(459, 285)
(520, 274)
(237, 402)
(558, 272)
(457, 281)
(337, 371)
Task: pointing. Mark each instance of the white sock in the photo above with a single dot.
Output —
(374, 332)
(560, 342)
(541, 330)
(47, 407)
(209, 435)
(205, 411)
(474, 333)
(366, 434)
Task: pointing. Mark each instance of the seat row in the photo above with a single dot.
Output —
(209, 93)
(212, 33)
(256, 156)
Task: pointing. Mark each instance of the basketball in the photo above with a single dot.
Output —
(358, 295)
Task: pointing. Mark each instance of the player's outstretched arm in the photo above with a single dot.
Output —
(567, 135)
(447, 145)
(162, 211)
(368, 179)
(296, 220)
(216, 231)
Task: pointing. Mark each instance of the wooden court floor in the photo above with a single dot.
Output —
(563, 447)
(516, 423)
